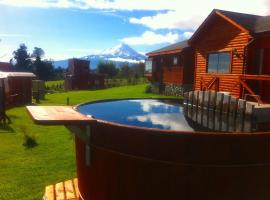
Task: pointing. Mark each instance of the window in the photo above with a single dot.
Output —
(175, 60)
(148, 66)
(219, 62)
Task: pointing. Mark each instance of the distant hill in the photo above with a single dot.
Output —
(119, 54)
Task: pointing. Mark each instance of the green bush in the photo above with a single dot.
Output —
(29, 140)
(148, 89)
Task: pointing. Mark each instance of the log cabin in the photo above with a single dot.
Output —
(232, 54)
(171, 69)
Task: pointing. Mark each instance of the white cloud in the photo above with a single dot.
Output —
(151, 38)
(192, 13)
(187, 35)
(180, 14)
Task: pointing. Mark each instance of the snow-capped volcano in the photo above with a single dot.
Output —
(118, 54)
(122, 51)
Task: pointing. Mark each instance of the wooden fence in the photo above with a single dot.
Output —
(219, 111)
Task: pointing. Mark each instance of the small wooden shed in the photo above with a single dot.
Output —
(79, 76)
(233, 54)
(171, 69)
(17, 87)
(5, 66)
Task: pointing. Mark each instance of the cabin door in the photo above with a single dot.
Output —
(266, 71)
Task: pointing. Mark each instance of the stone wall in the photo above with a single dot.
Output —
(170, 89)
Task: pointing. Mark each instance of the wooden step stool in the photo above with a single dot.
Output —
(67, 190)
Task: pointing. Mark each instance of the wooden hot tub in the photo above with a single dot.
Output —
(120, 162)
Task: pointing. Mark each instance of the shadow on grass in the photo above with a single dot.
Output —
(5, 128)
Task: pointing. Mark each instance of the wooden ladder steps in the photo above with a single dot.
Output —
(67, 190)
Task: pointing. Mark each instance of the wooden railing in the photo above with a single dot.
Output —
(208, 86)
(215, 81)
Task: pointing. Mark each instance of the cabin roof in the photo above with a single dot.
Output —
(174, 48)
(254, 24)
(16, 74)
(247, 21)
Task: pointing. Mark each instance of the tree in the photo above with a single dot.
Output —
(38, 53)
(138, 69)
(125, 71)
(22, 59)
(44, 69)
(107, 68)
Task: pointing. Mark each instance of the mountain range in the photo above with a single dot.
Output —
(119, 54)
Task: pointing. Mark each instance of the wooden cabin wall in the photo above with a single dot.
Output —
(20, 91)
(157, 69)
(220, 35)
(172, 74)
(259, 57)
(188, 65)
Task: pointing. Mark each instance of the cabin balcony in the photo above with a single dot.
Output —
(246, 86)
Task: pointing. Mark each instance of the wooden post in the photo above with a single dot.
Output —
(240, 115)
(186, 102)
(195, 105)
(248, 125)
(211, 111)
(200, 107)
(85, 136)
(225, 112)
(206, 108)
(219, 110)
(190, 105)
(232, 113)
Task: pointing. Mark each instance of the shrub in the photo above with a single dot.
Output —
(29, 140)
(148, 89)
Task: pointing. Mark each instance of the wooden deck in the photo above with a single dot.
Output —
(67, 190)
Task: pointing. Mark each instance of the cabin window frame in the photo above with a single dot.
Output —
(152, 69)
(219, 52)
(175, 58)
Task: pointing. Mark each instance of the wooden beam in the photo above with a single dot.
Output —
(256, 77)
(232, 22)
(250, 91)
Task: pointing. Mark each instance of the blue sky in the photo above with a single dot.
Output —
(74, 28)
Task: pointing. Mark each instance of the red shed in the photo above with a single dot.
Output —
(18, 87)
(171, 69)
(79, 76)
(5, 66)
(233, 54)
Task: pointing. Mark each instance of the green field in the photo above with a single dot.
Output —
(24, 172)
(53, 83)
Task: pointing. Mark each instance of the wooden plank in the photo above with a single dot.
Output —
(49, 193)
(195, 105)
(57, 115)
(69, 189)
(76, 187)
(59, 191)
(206, 108)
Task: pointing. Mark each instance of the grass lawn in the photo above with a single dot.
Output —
(51, 83)
(24, 172)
